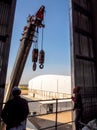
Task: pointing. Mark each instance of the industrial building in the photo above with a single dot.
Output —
(50, 86)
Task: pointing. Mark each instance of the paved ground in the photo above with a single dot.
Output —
(49, 120)
(30, 126)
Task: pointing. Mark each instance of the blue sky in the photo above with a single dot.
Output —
(56, 42)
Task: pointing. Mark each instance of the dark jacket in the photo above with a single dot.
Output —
(77, 101)
(15, 111)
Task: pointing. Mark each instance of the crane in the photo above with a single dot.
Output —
(33, 23)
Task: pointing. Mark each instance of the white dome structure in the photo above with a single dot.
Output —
(51, 83)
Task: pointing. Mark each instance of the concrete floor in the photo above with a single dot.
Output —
(49, 120)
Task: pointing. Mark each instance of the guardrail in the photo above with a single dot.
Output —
(53, 114)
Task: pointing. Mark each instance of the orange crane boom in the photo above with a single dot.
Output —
(33, 22)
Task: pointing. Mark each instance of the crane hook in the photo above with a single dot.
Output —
(34, 66)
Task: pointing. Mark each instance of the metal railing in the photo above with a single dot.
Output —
(53, 114)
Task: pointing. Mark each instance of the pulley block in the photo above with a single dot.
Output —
(34, 55)
(41, 56)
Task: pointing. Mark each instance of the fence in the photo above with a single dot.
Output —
(51, 114)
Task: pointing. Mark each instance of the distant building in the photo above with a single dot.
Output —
(49, 106)
(50, 86)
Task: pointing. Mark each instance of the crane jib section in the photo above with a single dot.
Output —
(26, 41)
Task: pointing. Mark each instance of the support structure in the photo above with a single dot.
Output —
(84, 53)
(7, 11)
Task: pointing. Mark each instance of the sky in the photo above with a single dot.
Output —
(56, 38)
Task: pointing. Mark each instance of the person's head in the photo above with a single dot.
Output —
(16, 91)
(76, 89)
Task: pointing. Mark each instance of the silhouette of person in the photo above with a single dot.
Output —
(15, 111)
(77, 106)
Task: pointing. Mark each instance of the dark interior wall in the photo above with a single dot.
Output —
(94, 25)
(83, 53)
(7, 10)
